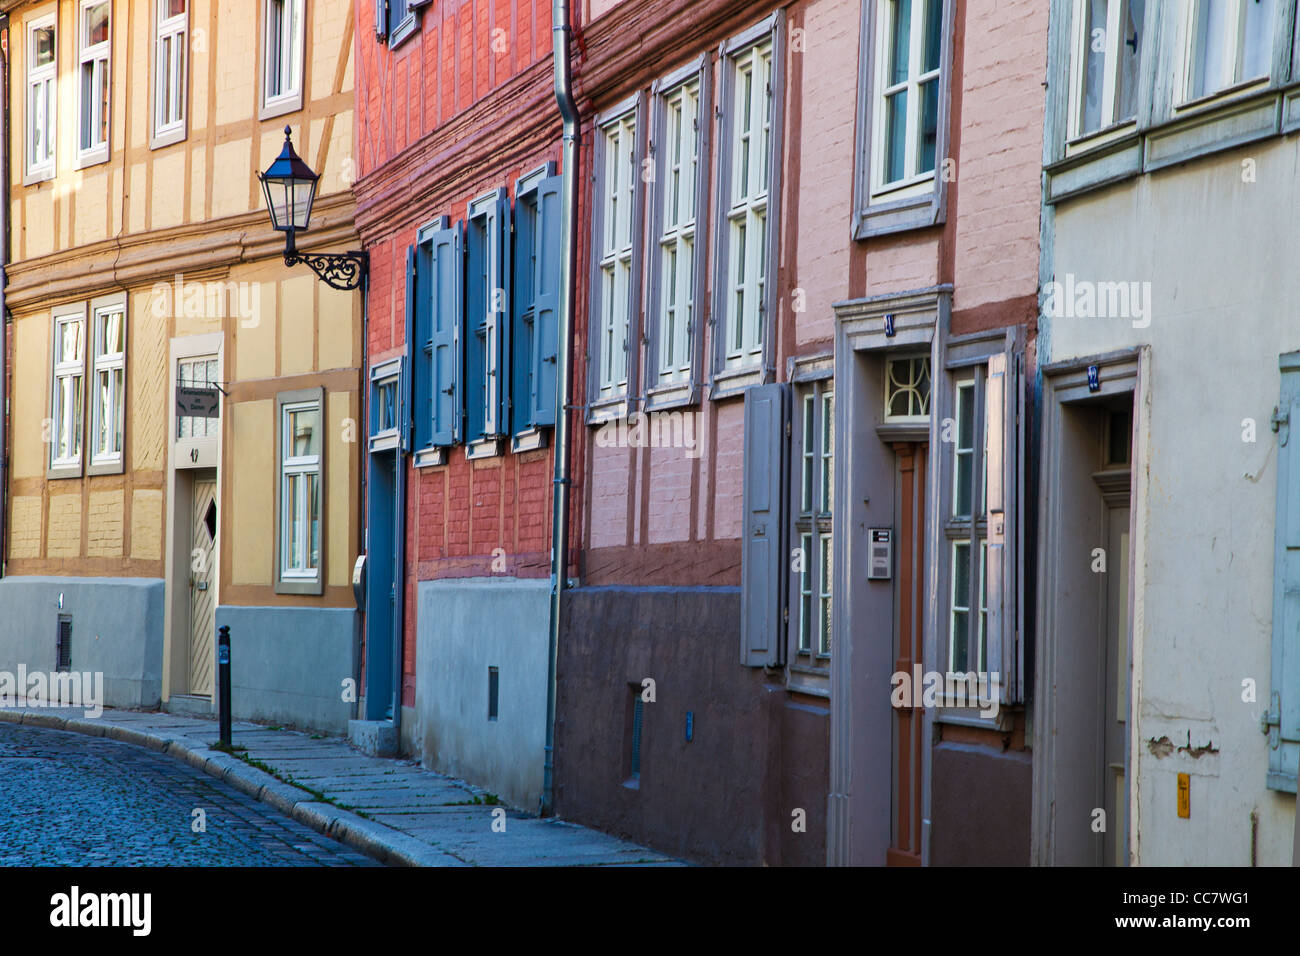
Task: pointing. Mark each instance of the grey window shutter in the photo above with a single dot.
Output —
(445, 290)
(1283, 720)
(546, 301)
(1004, 456)
(762, 608)
(412, 350)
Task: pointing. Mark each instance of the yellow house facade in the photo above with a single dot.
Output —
(183, 438)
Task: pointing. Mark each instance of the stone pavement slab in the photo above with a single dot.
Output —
(392, 809)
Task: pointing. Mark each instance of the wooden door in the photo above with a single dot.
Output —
(1115, 716)
(909, 618)
(203, 596)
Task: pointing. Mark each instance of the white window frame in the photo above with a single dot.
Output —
(98, 58)
(682, 166)
(1233, 50)
(114, 365)
(1080, 46)
(616, 270)
(170, 34)
(40, 166)
(911, 184)
(812, 493)
(745, 304)
(67, 466)
(291, 43)
(293, 576)
(746, 310)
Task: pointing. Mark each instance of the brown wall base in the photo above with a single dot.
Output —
(756, 755)
(979, 806)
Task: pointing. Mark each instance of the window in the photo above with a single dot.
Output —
(170, 65)
(487, 227)
(903, 93)
(108, 395)
(749, 170)
(676, 265)
(1282, 720)
(747, 221)
(42, 101)
(535, 296)
(981, 475)
(907, 99)
(618, 228)
(93, 87)
(1107, 54)
(301, 456)
(814, 447)
(1229, 42)
(197, 373)
(282, 53)
(907, 389)
(395, 20)
(67, 401)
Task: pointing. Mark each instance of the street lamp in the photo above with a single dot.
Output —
(290, 187)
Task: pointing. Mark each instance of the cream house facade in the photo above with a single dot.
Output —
(183, 406)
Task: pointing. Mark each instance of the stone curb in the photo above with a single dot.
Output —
(373, 839)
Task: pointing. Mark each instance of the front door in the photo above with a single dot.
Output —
(909, 600)
(383, 579)
(203, 597)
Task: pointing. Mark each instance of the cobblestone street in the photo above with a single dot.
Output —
(69, 799)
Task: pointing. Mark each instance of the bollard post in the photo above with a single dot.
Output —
(223, 682)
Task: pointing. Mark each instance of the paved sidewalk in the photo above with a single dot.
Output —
(393, 810)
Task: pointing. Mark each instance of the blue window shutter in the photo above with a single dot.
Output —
(444, 295)
(546, 309)
(410, 406)
(381, 19)
(763, 563)
(522, 316)
(474, 336)
(501, 311)
(1284, 701)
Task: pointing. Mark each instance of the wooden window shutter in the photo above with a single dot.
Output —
(546, 301)
(763, 566)
(412, 433)
(1283, 719)
(502, 270)
(381, 19)
(444, 290)
(1004, 457)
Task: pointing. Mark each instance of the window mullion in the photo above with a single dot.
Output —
(912, 148)
(1110, 66)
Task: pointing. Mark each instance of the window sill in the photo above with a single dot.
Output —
(39, 176)
(273, 108)
(530, 440)
(483, 448)
(384, 441)
(309, 586)
(902, 214)
(674, 395)
(105, 468)
(1097, 139)
(59, 472)
(168, 137)
(608, 410)
(92, 157)
(404, 30)
(734, 382)
(813, 681)
(430, 457)
(970, 717)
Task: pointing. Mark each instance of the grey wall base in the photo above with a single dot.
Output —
(465, 627)
(288, 665)
(117, 630)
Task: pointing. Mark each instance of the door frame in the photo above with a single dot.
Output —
(184, 459)
(1066, 384)
(859, 809)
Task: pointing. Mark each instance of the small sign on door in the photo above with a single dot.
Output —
(880, 554)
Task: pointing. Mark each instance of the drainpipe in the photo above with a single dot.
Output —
(4, 306)
(561, 30)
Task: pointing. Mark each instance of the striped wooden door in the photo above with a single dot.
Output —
(203, 597)
(909, 723)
